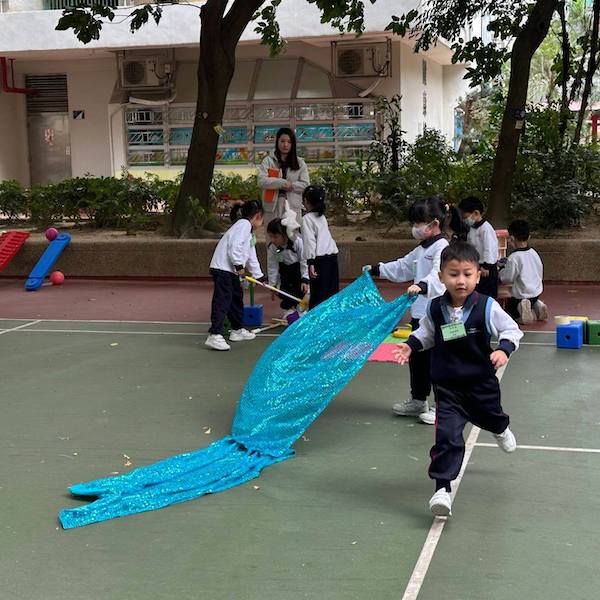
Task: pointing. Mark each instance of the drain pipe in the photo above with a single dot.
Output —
(11, 89)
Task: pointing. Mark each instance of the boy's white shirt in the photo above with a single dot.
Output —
(485, 240)
(525, 271)
(316, 237)
(501, 324)
(236, 248)
(419, 265)
(287, 257)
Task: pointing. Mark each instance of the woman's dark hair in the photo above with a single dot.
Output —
(471, 203)
(426, 210)
(519, 229)
(460, 251)
(291, 161)
(276, 228)
(249, 209)
(315, 195)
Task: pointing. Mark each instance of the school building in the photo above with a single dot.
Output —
(128, 100)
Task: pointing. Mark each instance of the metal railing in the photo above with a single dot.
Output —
(62, 4)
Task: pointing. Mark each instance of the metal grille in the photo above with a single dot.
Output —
(61, 4)
(51, 94)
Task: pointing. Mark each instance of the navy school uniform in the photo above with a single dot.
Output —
(464, 380)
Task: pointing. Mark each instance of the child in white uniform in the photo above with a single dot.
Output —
(525, 271)
(234, 253)
(483, 237)
(429, 217)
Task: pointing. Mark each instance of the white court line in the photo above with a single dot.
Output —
(111, 321)
(117, 332)
(435, 531)
(548, 448)
(19, 327)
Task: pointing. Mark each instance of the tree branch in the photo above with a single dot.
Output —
(238, 17)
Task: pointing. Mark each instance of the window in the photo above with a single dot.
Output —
(424, 71)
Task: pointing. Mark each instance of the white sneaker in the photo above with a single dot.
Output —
(428, 417)
(441, 503)
(525, 312)
(410, 408)
(217, 342)
(541, 311)
(506, 440)
(241, 335)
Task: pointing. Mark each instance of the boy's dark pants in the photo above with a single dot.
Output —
(291, 282)
(227, 301)
(457, 404)
(419, 365)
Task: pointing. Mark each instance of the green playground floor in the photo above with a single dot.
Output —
(346, 519)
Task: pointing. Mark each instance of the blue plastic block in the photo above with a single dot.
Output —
(570, 336)
(253, 315)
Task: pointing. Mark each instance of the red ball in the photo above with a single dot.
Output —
(51, 234)
(57, 278)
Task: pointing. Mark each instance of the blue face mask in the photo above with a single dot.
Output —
(469, 222)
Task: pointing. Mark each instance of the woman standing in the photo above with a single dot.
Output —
(283, 177)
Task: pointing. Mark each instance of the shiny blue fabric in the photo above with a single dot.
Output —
(292, 383)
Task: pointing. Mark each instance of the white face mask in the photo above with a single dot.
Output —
(419, 233)
(469, 222)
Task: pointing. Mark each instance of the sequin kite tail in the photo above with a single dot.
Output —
(292, 383)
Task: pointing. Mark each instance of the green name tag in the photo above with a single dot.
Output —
(253, 241)
(453, 331)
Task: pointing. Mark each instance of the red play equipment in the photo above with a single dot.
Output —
(10, 244)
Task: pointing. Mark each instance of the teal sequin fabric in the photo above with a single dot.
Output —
(292, 383)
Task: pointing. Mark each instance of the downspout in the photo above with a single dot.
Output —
(11, 89)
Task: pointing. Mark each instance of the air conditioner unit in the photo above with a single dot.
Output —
(142, 73)
(362, 60)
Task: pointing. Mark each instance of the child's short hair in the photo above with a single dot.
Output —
(519, 229)
(315, 194)
(460, 251)
(470, 204)
(276, 228)
(251, 208)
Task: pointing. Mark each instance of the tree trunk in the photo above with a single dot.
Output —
(591, 70)
(215, 70)
(526, 43)
(566, 63)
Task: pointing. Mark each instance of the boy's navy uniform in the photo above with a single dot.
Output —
(464, 380)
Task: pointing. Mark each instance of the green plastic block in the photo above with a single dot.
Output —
(593, 328)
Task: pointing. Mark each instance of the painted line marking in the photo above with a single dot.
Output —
(19, 327)
(111, 321)
(435, 531)
(117, 332)
(547, 448)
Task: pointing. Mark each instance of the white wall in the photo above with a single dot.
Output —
(455, 87)
(90, 84)
(14, 157)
